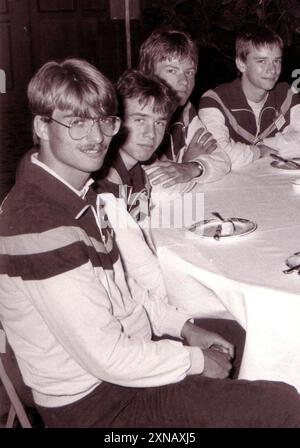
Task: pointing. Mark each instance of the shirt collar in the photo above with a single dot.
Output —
(81, 193)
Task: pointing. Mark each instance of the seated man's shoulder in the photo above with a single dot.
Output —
(284, 95)
(221, 92)
(282, 88)
(27, 210)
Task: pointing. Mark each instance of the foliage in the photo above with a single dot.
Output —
(209, 21)
(214, 24)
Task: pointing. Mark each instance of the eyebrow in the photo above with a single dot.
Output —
(71, 116)
(257, 56)
(179, 65)
(139, 114)
(164, 118)
(79, 116)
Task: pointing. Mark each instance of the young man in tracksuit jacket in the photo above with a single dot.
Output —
(188, 153)
(253, 116)
(82, 341)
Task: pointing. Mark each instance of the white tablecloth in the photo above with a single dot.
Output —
(241, 277)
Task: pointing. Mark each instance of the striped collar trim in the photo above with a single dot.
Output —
(81, 193)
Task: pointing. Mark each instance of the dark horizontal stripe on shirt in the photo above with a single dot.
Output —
(48, 264)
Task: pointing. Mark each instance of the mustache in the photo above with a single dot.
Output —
(93, 147)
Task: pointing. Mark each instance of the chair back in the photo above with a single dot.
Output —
(18, 393)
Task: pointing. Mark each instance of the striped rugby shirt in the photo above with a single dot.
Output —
(65, 305)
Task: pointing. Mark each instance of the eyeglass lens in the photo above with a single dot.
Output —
(80, 128)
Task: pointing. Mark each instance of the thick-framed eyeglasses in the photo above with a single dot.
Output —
(80, 127)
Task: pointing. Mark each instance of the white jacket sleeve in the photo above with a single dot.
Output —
(240, 154)
(142, 269)
(287, 142)
(91, 327)
(215, 165)
(138, 260)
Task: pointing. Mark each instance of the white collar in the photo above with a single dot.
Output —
(81, 193)
(257, 105)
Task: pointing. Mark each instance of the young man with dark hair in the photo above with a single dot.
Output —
(254, 115)
(82, 341)
(146, 104)
(189, 154)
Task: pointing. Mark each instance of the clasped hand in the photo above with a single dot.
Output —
(201, 143)
(217, 352)
(168, 173)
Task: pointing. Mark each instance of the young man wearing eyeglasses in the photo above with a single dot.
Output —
(82, 342)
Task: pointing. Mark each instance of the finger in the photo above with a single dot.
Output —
(170, 183)
(150, 167)
(223, 362)
(211, 150)
(222, 350)
(163, 163)
(156, 165)
(215, 364)
(207, 135)
(224, 346)
(210, 146)
(197, 135)
(155, 173)
(215, 340)
(204, 138)
(163, 178)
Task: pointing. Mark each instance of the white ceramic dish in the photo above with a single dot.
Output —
(208, 227)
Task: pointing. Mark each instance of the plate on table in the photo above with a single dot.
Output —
(209, 227)
(294, 261)
(285, 165)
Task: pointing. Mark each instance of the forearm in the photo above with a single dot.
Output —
(138, 260)
(110, 349)
(165, 318)
(240, 154)
(215, 166)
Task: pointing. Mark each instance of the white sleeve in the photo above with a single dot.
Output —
(138, 260)
(287, 142)
(240, 154)
(215, 165)
(77, 308)
(143, 272)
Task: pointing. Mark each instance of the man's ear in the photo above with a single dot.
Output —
(40, 125)
(241, 65)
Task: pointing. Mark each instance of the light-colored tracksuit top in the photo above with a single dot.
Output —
(228, 115)
(65, 305)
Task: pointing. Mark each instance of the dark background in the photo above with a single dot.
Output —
(34, 31)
